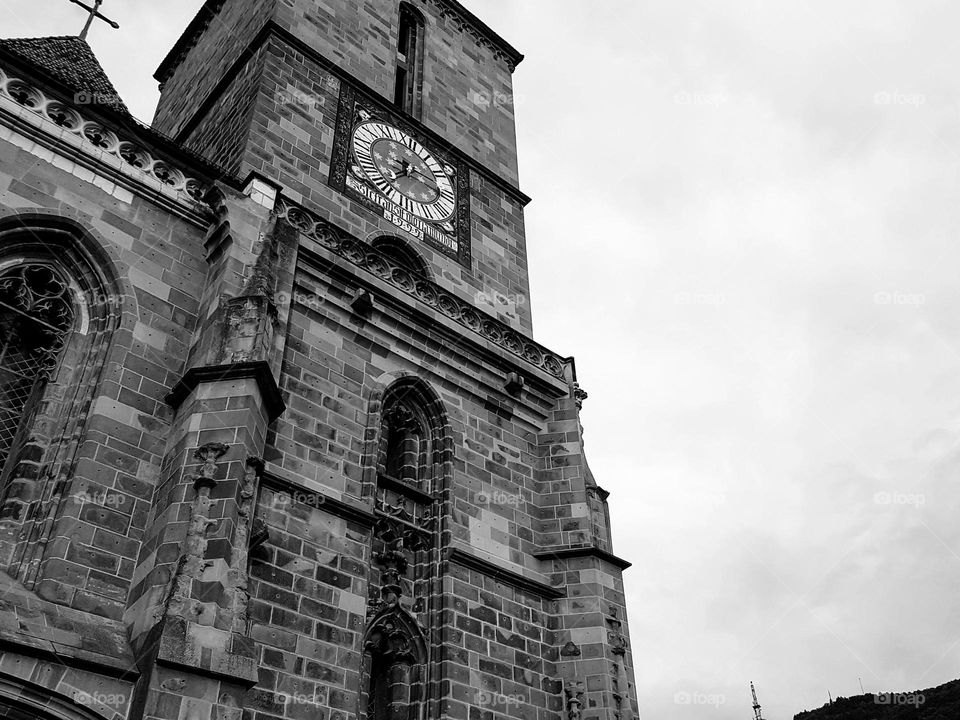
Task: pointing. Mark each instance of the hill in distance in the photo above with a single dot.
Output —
(939, 703)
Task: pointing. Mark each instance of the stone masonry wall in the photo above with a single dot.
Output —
(204, 65)
(291, 143)
(90, 563)
(467, 93)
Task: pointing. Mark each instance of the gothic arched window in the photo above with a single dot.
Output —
(402, 255)
(409, 80)
(392, 668)
(60, 303)
(36, 314)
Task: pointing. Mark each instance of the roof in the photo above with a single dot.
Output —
(69, 60)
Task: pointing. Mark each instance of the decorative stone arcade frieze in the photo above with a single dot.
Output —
(105, 149)
(367, 258)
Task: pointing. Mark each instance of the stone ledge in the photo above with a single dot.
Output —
(40, 628)
(569, 551)
(352, 510)
(258, 370)
(467, 559)
(208, 650)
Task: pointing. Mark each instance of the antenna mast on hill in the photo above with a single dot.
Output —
(757, 715)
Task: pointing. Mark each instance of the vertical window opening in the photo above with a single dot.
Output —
(409, 80)
(36, 313)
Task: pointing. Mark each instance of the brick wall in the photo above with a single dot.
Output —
(204, 65)
(90, 559)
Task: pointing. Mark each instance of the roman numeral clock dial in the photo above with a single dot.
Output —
(404, 171)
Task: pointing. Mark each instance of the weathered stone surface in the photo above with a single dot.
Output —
(274, 465)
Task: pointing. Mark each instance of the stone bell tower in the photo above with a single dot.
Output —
(374, 501)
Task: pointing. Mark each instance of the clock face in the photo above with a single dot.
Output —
(404, 171)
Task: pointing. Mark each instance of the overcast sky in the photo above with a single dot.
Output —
(744, 226)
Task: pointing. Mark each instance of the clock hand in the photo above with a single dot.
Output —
(428, 181)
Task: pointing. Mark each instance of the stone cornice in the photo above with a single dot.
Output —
(446, 303)
(103, 150)
(482, 35)
(497, 571)
(567, 552)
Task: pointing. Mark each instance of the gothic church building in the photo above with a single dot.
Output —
(276, 440)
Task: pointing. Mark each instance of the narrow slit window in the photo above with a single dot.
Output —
(409, 79)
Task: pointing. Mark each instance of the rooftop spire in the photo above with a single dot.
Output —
(94, 13)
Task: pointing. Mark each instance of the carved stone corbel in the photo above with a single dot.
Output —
(573, 692)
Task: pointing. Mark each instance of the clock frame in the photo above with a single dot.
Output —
(416, 185)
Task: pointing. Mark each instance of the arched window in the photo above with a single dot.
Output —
(402, 255)
(36, 313)
(394, 656)
(409, 80)
(409, 443)
(60, 303)
(413, 459)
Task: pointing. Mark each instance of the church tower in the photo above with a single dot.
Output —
(361, 489)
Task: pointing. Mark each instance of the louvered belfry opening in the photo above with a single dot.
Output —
(36, 313)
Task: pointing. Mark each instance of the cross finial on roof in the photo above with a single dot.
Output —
(94, 13)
